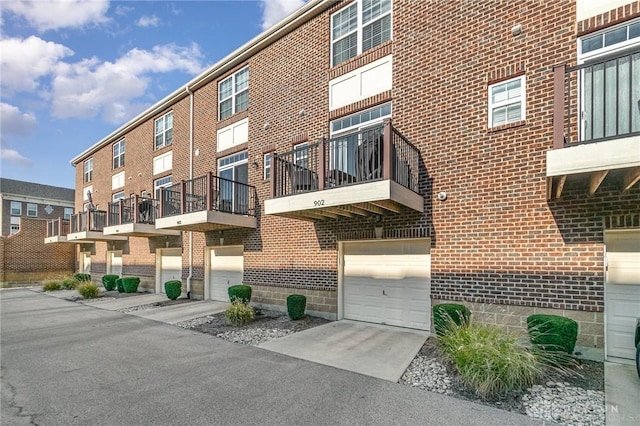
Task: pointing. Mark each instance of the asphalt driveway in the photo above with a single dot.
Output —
(63, 363)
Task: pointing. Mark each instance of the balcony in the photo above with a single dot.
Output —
(88, 226)
(135, 216)
(207, 203)
(596, 130)
(57, 230)
(369, 172)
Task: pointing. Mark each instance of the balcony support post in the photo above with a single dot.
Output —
(274, 174)
(183, 197)
(135, 209)
(120, 211)
(161, 202)
(208, 192)
(321, 164)
(387, 144)
(558, 106)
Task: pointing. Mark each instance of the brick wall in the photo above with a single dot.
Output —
(25, 258)
(56, 212)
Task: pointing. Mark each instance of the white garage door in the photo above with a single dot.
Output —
(84, 266)
(226, 265)
(114, 263)
(622, 291)
(387, 282)
(169, 267)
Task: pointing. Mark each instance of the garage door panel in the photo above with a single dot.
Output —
(226, 269)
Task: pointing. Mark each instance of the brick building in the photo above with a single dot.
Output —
(383, 156)
(26, 207)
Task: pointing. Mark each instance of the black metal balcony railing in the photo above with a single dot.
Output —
(205, 193)
(133, 210)
(597, 101)
(94, 220)
(376, 153)
(57, 227)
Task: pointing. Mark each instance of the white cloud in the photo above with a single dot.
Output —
(148, 21)
(91, 87)
(274, 10)
(14, 156)
(51, 15)
(123, 10)
(25, 61)
(16, 122)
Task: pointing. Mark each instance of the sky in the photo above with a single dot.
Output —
(73, 71)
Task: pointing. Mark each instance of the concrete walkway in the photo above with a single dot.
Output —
(183, 312)
(370, 349)
(127, 302)
(622, 394)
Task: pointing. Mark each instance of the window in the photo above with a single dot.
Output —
(507, 102)
(359, 27)
(68, 212)
(32, 210)
(118, 154)
(267, 166)
(233, 94)
(301, 154)
(88, 170)
(164, 130)
(161, 183)
(16, 208)
(15, 225)
(118, 196)
(612, 38)
(234, 172)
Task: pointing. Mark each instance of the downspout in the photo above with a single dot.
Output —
(190, 276)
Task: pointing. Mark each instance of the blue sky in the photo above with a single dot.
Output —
(73, 71)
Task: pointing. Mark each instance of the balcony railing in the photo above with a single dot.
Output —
(206, 193)
(597, 101)
(133, 210)
(57, 227)
(377, 153)
(94, 220)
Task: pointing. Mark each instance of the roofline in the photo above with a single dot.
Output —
(288, 24)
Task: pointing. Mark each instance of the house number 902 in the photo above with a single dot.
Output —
(318, 203)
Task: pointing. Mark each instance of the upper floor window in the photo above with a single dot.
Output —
(233, 94)
(118, 154)
(16, 208)
(68, 212)
(507, 101)
(163, 182)
(164, 130)
(118, 196)
(32, 210)
(613, 38)
(14, 227)
(88, 170)
(267, 166)
(359, 27)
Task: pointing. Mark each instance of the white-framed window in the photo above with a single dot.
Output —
(507, 101)
(32, 210)
(233, 94)
(16, 208)
(118, 196)
(163, 163)
(267, 165)
(163, 182)
(68, 212)
(361, 26)
(613, 38)
(117, 181)
(232, 195)
(164, 130)
(301, 154)
(88, 170)
(118, 154)
(14, 227)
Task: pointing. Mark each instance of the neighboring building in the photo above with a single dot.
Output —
(381, 157)
(26, 209)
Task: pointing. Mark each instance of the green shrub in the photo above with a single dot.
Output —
(239, 313)
(52, 286)
(109, 282)
(82, 277)
(88, 290)
(69, 283)
(489, 360)
(130, 284)
(552, 332)
(119, 285)
(444, 313)
(173, 289)
(242, 292)
(296, 304)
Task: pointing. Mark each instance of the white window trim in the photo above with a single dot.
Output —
(156, 187)
(233, 95)
(118, 196)
(606, 50)
(67, 213)
(120, 156)
(14, 225)
(87, 172)
(19, 208)
(267, 159)
(359, 28)
(522, 100)
(360, 126)
(35, 206)
(164, 131)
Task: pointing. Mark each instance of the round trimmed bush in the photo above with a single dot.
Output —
(173, 289)
(552, 332)
(82, 277)
(241, 292)
(109, 281)
(296, 304)
(445, 313)
(119, 285)
(130, 284)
